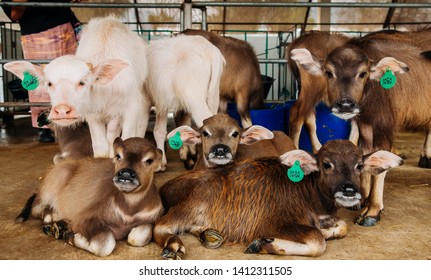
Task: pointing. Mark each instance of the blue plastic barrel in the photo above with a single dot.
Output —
(329, 127)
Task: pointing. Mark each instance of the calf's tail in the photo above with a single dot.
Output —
(26, 211)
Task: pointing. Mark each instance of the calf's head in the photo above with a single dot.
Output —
(220, 136)
(340, 164)
(68, 81)
(135, 161)
(347, 70)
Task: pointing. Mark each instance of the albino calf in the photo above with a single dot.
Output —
(102, 84)
(224, 141)
(101, 200)
(253, 202)
(184, 74)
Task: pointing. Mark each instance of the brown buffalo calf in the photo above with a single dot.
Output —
(254, 202)
(312, 88)
(101, 200)
(223, 141)
(354, 73)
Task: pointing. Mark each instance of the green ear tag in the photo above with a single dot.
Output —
(295, 173)
(388, 80)
(175, 141)
(29, 82)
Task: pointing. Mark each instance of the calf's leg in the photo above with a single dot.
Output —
(297, 240)
(370, 214)
(425, 159)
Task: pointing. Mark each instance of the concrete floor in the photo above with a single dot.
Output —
(404, 233)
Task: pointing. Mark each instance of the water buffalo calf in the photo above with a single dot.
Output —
(93, 202)
(254, 202)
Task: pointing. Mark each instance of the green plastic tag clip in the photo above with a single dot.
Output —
(175, 141)
(295, 173)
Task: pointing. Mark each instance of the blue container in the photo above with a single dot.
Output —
(329, 127)
(273, 117)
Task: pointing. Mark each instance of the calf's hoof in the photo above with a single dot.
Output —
(211, 238)
(171, 255)
(58, 229)
(425, 162)
(257, 245)
(367, 221)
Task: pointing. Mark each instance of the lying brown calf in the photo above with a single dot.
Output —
(101, 200)
(223, 141)
(254, 202)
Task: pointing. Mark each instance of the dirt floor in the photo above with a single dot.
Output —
(404, 232)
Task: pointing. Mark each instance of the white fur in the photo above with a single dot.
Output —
(184, 73)
(111, 105)
(140, 235)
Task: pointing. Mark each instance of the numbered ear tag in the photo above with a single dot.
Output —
(29, 82)
(175, 141)
(295, 173)
(388, 80)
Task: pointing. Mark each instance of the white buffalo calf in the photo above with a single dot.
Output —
(102, 84)
(184, 74)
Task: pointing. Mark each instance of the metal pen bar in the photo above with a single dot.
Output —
(201, 4)
(25, 104)
(312, 5)
(92, 5)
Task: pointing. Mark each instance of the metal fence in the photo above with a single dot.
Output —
(270, 46)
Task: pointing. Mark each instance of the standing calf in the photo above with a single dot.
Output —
(254, 202)
(223, 141)
(102, 84)
(241, 81)
(353, 72)
(101, 200)
(184, 74)
(312, 88)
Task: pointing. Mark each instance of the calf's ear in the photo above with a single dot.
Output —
(19, 67)
(307, 161)
(304, 58)
(107, 70)
(187, 134)
(377, 162)
(254, 134)
(396, 66)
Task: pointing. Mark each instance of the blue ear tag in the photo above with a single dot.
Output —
(29, 82)
(175, 141)
(388, 80)
(295, 173)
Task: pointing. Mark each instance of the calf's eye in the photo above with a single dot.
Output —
(360, 166)
(82, 83)
(205, 133)
(149, 161)
(362, 75)
(235, 134)
(327, 165)
(329, 74)
(117, 157)
(49, 84)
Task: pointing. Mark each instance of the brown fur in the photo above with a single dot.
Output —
(222, 125)
(255, 199)
(241, 80)
(97, 200)
(223, 131)
(353, 72)
(73, 142)
(312, 89)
